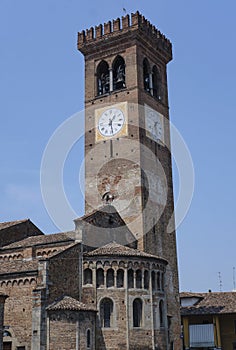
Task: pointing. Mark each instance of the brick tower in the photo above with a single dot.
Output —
(127, 142)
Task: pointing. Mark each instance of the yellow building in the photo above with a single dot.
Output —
(209, 320)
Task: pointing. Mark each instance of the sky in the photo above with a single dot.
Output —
(42, 84)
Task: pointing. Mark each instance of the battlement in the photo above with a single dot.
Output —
(127, 23)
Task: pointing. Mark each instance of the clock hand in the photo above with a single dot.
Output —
(110, 124)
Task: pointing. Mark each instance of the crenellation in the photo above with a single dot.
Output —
(125, 22)
(107, 28)
(136, 19)
(116, 25)
(81, 38)
(90, 34)
(99, 31)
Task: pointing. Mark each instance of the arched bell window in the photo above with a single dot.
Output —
(100, 278)
(106, 313)
(146, 76)
(120, 278)
(157, 84)
(137, 312)
(119, 73)
(110, 278)
(103, 79)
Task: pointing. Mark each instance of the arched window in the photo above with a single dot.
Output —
(106, 313)
(119, 73)
(88, 276)
(130, 278)
(137, 312)
(138, 279)
(161, 313)
(100, 277)
(6, 333)
(153, 280)
(162, 281)
(110, 278)
(120, 278)
(157, 86)
(103, 79)
(146, 75)
(158, 280)
(88, 339)
(146, 279)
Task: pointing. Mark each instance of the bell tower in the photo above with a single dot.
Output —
(127, 137)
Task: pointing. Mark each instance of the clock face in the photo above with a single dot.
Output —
(154, 124)
(111, 122)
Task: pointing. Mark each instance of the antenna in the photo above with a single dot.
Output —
(234, 279)
(220, 281)
(124, 7)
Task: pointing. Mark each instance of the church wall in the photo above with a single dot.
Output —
(117, 334)
(18, 309)
(62, 332)
(64, 274)
(69, 330)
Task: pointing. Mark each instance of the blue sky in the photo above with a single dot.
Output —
(41, 85)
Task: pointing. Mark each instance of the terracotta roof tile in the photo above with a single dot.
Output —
(211, 303)
(41, 239)
(7, 224)
(16, 266)
(114, 248)
(69, 303)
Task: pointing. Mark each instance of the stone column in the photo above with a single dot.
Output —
(151, 83)
(3, 298)
(111, 79)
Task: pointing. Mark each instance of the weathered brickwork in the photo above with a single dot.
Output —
(32, 282)
(69, 330)
(128, 169)
(128, 275)
(3, 298)
(112, 283)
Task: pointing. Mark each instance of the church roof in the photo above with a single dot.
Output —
(4, 225)
(18, 266)
(41, 239)
(210, 303)
(69, 303)
(114, 248)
